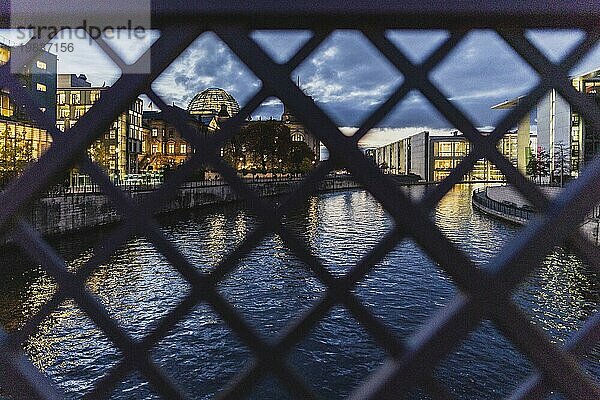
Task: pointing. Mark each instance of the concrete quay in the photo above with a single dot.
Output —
(72, 212)
(506, 203)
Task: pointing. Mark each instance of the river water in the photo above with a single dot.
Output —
(270, 288)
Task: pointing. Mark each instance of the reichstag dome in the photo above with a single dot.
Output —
(209, 101)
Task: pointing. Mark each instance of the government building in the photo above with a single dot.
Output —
(559, 124)
(433, 157)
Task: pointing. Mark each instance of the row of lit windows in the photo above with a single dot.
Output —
(450, 149)
(483, 171)
(77, 96)
(507, 145)
(170, 148)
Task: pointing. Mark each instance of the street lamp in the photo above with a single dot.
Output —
(280, 166)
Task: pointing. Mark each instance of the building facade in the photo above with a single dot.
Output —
(434, 157)
(300, 134)
(22, 141)
(559, 126)
(212, 106)
(39, 77)
(119, 149)
(163, 147)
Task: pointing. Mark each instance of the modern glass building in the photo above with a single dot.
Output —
(434, 157)
(21, 140)
(560, 125)
(39, 77)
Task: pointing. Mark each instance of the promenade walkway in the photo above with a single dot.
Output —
(510, 194)
(506, 202)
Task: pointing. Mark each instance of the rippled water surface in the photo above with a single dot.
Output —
(270, 287)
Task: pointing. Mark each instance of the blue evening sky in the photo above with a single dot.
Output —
(346, 75)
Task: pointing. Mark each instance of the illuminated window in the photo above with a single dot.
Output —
(94, 95)
(41, 87)
(61, 98)
(4, 55)
(443, 164)
(461, 148)
(75, 98)
(154, 148)
(154, 132)
(183, 148)
(40, 64)
(171, 148)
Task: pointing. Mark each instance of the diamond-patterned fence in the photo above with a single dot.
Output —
(485, 293)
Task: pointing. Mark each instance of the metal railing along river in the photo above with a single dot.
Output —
(60, 190)
(485, 292)
(480, 197)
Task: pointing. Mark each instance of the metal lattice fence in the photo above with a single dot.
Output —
(484, 292)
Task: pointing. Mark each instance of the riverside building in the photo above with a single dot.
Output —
(433, 157)
(21, 139)
(120, 148)
(163, 146)
(214, 105)
(558, 125)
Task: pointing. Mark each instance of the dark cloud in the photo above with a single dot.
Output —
(349, 78)
(208, 62)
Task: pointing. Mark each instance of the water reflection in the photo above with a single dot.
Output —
(270, 287)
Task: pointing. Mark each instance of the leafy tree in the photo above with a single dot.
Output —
(562, 162)
(16, 153)
(301, 157)
(531, 168)
(99, 152)
(539, 164)
(267, 146)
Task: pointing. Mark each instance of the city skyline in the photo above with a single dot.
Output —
(346, 75)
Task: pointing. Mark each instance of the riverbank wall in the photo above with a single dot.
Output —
(71, 212)
(506, 203)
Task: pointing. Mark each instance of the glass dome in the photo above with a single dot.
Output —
(209, 101)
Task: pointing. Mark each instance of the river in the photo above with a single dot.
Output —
(270, 288)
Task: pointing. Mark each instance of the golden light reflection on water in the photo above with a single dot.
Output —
(216, 243)
(137, 285)
(571, 294)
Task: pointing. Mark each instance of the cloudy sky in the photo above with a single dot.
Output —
(346, 75)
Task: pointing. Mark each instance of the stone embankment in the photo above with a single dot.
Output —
(506, 203)
(70, 212)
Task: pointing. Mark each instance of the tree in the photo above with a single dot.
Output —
(562, 162)
(539, 164)
(267, 146)
(16, 153)
(531, 169)
(542, 164)
(99, 152)
(301, 158)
